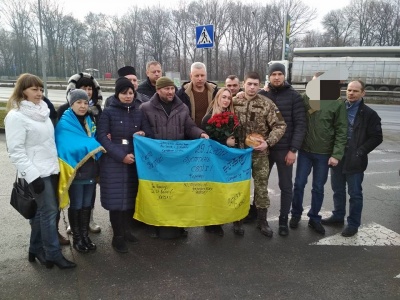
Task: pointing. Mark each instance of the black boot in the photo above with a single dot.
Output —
(117, 223)
(262, 223)
(85, 220)
(128, 226)
(62, 263)
(238, 228)
(283, 225)
(252, 216)
(74, 217)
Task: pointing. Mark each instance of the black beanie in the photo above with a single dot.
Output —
(122, 84)
(276, 67)
(127, 70)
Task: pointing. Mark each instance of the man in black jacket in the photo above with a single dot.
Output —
(153, 72)
(364, 134)
(283, 154)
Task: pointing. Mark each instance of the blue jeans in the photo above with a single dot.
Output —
(44, 229)
(81, 195)
(319, 165)
(354, 185)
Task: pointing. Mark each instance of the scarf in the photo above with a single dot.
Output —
(75, 146)
(38, 112)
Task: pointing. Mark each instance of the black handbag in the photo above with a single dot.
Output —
(22, 199)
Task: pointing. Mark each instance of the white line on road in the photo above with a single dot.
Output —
(388, 187)
(368, 235)
(383, 172)
(398, 276)
(384, 160)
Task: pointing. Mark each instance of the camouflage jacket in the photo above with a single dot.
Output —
(259, 115)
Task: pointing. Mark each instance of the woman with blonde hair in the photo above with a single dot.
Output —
(221, 103)
(32, 150)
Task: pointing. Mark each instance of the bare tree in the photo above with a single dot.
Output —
(18, 17)
(339, 27)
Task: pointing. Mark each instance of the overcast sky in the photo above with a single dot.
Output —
(80, 8)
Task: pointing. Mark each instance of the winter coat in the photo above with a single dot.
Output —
(177, 126)
(367, 135)
(186, 95)
(30, 143)
(119, 181)
(259, 115)
(146, 88)
(290, 104)
(326, 128)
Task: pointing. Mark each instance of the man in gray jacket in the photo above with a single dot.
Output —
(170, 120)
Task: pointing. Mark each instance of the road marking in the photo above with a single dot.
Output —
(386, 151)
(388, 187)
(368, 235)
(398, 276)
(385, 160)
(383, 172)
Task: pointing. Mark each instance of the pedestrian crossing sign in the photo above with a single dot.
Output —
(205, 36)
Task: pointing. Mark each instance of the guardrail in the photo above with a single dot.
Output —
(389, 97)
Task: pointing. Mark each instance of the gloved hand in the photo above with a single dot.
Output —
(38, 185)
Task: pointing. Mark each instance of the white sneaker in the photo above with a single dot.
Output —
(93, 227)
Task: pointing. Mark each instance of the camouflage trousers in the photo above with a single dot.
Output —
(260, 173)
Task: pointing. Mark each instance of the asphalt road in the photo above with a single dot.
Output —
(303, 265)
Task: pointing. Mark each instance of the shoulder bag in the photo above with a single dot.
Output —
(22, 199)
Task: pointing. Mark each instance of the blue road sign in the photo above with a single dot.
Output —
(205, 36)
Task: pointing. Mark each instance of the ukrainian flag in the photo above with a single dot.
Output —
(74, 147)
(189, 183)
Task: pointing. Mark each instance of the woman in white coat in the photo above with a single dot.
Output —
(32, 150)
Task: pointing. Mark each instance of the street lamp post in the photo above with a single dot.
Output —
(42, 52)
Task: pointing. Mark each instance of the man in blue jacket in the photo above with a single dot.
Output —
(364, 134)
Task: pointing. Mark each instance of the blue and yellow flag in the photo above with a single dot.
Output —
(74, 147)
(189, 183)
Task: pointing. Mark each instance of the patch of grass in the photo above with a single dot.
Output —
(2, 116)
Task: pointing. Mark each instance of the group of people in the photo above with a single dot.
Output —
(90, 145)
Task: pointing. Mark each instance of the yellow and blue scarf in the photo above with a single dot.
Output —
(74, 147)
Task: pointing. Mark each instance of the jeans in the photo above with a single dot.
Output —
(81, 195)
(319, 165)
(354, 184)
(285, 174)
(43, 225)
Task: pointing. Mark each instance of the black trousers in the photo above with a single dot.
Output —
(285, 174)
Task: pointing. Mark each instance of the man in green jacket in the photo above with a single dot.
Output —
(323, 147)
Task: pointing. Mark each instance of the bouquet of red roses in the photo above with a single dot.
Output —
(223, 125)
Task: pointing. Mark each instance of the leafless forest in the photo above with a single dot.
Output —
(247, 36)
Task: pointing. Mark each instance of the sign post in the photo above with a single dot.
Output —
(205, 39)
(205, 36)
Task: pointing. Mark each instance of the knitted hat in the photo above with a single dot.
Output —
(76, 95)
(122, 84)
(163, 82)
(127, 70)
(276, 67)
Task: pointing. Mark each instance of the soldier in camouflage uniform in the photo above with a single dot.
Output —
(258, 114)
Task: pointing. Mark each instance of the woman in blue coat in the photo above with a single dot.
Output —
(118, 175)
